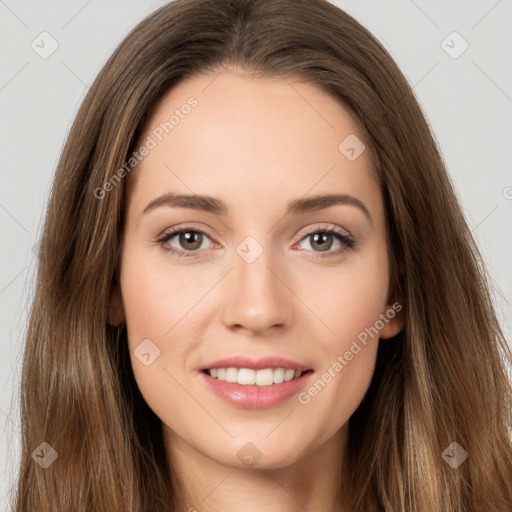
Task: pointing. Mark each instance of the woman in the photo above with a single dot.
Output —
(256, 288)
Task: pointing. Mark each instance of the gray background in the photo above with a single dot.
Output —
(468, 102)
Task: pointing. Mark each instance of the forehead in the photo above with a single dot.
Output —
(250, 139)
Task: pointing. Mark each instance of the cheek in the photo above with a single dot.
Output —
(350, 298)
(350, 306)
(156, 299)
(157, 307)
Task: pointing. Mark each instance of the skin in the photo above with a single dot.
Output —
(256, 144)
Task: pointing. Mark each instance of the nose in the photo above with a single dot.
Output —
(257, 295)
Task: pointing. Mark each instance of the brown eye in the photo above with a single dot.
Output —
(184, 241)
(321, 241)
(191, 240)
(327, 241)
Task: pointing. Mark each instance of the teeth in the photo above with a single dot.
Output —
(265, 377)
(246, 376)
(231, 374)
(250, 377)
(288, 375)
(278, 375)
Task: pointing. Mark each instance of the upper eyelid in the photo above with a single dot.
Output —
(328, 226)
(175, 231)
(303, 231)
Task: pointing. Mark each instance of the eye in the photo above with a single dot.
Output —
(323, 240)
(189, 241)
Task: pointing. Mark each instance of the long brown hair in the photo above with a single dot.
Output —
(441, 380)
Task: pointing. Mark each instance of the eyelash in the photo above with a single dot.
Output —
(347, 241)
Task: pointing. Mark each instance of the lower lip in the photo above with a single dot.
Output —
(255, 397)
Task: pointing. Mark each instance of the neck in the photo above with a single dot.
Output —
(310, 483)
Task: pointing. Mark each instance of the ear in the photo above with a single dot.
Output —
(115, 308)
(393, 317)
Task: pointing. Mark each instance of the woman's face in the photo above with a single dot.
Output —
(254, 285)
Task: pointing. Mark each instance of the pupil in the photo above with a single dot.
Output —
(324, 237)
(188, 238)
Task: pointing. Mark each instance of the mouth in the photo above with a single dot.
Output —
(247, 383)
(255, 377)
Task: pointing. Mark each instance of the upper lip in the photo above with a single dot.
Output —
(256, 364)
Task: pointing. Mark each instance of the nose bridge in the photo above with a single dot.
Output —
(256, 298)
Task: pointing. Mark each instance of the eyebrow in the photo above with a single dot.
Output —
(218, 207)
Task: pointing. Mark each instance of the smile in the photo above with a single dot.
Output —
(255, 389)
